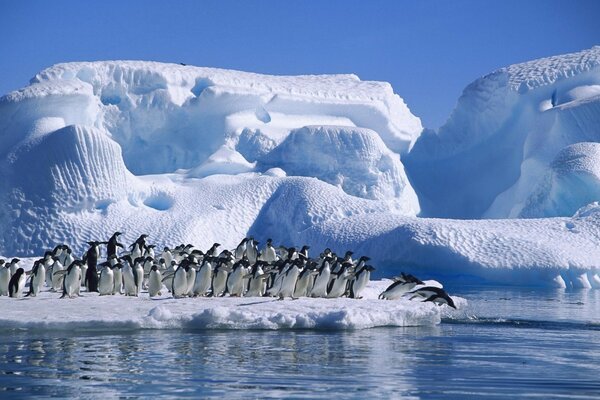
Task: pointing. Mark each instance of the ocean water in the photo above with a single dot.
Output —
(508, 343)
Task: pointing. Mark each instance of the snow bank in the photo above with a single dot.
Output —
(95, 313)
(354, 159)
(500, 141)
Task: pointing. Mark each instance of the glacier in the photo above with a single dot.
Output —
(505, 192)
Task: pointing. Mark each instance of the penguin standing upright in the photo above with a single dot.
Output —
(38, 275)
(337, 286)
(113, 244)
(360, 281)
(91, 272)
(4, 278)
(252, 251)
(106, 283)
(179, 285)
(138, 248)
(128, 277)
(269, 255)
(14, 266)
(57, 279)
(204, 277)
(138, 275)
(240, 250)
(17, 283)
(72, 279)
(154, 281)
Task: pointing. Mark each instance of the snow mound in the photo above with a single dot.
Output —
(357, 160)
(572, 182)
(113, 313)
(168, 117)
(506, 130)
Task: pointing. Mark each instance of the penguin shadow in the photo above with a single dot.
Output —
(257, 302)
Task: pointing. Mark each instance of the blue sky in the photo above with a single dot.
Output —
(428, 50)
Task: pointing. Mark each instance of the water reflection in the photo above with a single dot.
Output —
(521, 343)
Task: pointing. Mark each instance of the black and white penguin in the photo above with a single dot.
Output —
(179, 286)
(113, 244)
(129, 286)
(337, 286)
(37, 278)
(138, 247)
(72, 279)
(269, 254)
(4, 277)
(319, 288)
(252, 251)
(256, 283)
(91, 272)
(235, 280)
(304, 250)
(17, 283)
(106, 283)
(306, 281)
(212, 252)
(434, 294)
(57, 279)
(154, 281)
(14, 266)
(117, 269)
(221, 274)
(138, 275)
(360, 281)
(240, 250)
(204, 276)
(401, 286)
(288, 282)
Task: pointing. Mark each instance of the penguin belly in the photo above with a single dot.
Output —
(219, 282)
(180, 284)
(154, 283)
(106, 284)
(72, 282)
(4, 279)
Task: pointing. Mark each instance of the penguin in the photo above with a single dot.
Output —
(17, 283)
(117, 277)
(138, 247)
(304, 250)
(212, 252)
(305, 281)
(179, 286)
(57, 279)
(204, 276)
(91, 273)
(240, 250)
(154, 281)
(129, 277)
(113, 244)
(252, 251)
(288, 282)
(167, 256)
(319, 288)
(72, 279)
(150, 251)
(402, 285)
(433, 294)
(14, 266)
(360, 281)
(221, 275)
(47, 262)
(106, 283)
(191, 276)
(138, 275)
(235, 280)
(38, 275)
(277, 280)
(269, 254)
(256, 284)
(147, 265)
(337, 286)
(4, 277)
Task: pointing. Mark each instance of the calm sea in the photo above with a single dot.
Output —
(508, 343)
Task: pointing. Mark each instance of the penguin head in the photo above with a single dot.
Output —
(19, 271)
(154, 268)
(269, 241)
(15, 260)
(370, 268)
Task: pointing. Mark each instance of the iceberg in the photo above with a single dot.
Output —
(499, 143)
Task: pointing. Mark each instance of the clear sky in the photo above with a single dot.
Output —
(429, 50)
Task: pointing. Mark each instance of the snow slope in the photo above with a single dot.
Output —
(499, 143)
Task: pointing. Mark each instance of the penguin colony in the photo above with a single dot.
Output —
(188, 272)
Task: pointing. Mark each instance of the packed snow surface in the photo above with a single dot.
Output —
(96, 313)
(202, 155)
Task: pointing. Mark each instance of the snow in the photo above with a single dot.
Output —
(119, 313)
(499, 144)
(201, 155)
